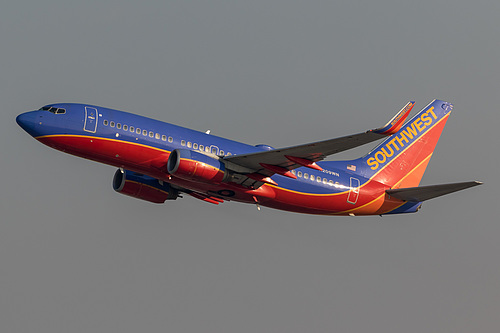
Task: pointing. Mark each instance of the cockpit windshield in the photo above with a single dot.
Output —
(54, 109)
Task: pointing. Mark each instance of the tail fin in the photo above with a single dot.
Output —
(401, 159)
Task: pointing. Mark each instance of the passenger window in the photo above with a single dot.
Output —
(306, 175)
(221, 152)
(144, 132)
(293, 172)
(229, 154)
(119, 126)
(125, 127)
(170, 139)
(132, 129)
(299, 174)
(201, 147)
(105, 123)
(183, 142)
(151, 134)
(189, 144)
(138, 131)
(112, 124)
(330, 182)
(207, 149)
(195, 145)
(164, 138)
(318, 179)
(214, 151)
(325, 180)
(157, 136)
(312, 177)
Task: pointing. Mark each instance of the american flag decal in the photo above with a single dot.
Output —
(351, 167)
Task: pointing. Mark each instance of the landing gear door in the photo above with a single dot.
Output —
(91, 117)
(354, 191)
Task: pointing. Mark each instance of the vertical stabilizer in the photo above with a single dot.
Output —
(400, 160)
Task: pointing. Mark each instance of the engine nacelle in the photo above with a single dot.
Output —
(194, 166)
(143, 187)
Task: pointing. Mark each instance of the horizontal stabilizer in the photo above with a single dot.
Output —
(422, 193)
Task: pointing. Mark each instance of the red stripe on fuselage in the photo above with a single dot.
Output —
(131, 156)
(151, 161)
(144, 159)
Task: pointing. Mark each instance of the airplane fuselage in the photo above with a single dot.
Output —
(143, 145)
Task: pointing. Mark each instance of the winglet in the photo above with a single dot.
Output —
(395, 124)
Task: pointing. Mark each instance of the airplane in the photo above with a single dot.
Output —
(158, 161)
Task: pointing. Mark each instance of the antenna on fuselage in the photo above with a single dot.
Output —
(256, 202)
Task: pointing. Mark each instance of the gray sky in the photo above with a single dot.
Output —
(77, 257)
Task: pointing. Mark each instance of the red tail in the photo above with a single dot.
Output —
(400, 161)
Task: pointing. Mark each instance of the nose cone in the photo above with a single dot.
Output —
(28, 122)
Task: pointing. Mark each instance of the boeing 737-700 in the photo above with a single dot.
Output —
(158, 161)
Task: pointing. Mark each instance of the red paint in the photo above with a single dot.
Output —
(151, 161)
(144, 192)
(279, 170)
(304, 162)
(196, 171)
(261, 178)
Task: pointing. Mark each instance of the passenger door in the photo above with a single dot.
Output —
(91, 117)
(354, 191)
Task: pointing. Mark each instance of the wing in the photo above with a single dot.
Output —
(259, 166)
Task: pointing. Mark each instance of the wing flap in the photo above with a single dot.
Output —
(206, 198)
(422, 193)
